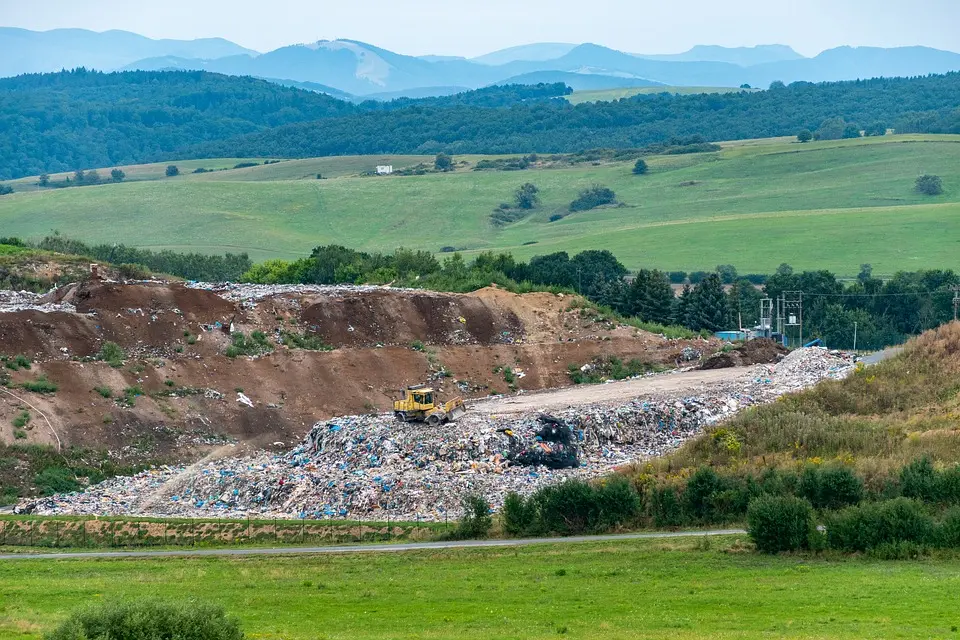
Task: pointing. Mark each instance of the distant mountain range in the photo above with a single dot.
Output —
(345, 68)
(41, 51)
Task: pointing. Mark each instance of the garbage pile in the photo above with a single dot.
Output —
(375, 468)
(252, 293)
(13, 301)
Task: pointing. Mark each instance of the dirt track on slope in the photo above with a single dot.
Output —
(692, 382)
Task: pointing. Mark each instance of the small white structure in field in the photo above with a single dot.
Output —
(384, 169)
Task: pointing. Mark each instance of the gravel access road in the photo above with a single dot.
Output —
(688, 383)
(366, 548)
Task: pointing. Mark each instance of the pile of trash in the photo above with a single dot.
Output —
(239, 292)
(13, 301)
(376, 468)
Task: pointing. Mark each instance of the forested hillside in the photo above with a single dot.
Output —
(81, 119)
(557, 126)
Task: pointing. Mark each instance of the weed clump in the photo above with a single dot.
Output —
(303, 341)
(112, 354)
(257, 344)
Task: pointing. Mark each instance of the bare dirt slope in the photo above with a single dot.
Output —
(176, 392)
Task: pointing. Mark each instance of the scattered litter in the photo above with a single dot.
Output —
(243, 399)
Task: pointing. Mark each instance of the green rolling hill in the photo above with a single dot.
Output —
(755, 204)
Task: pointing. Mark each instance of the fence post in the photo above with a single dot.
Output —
(57, 533)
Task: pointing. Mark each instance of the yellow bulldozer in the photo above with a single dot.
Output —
(420, 405)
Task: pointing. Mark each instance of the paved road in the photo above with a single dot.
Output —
(880, 356)
(365, 548)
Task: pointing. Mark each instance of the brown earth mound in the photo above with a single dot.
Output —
(760, 351)
(176, 393)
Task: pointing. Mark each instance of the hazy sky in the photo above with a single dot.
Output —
(473, 27)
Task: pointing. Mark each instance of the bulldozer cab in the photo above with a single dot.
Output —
(422, 398)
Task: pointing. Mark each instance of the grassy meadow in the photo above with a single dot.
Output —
(755, 204)
(679, 588)
(607, 95)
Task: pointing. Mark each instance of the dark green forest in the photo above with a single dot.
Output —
(82, 119)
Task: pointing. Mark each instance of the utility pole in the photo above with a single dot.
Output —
(854, 337)
(793, 310)
(956, 300)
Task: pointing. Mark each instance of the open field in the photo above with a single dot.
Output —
(830, 205)
(636, 589)
(606, 95)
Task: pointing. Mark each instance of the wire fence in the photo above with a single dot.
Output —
(99, 533)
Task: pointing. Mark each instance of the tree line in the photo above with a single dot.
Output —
(880, 312)
(83, 119)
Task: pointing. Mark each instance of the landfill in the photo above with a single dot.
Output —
(14, 301)
(372, 467)
(252, 293)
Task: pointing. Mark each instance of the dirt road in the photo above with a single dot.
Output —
(692, 382)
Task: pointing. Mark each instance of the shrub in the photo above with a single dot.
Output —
(619, 502)
(40, 385)
(476, 520)
(919, 480)
(17, 362)
(778, 524)
(172, 170)
(831, 488)
(871, 525)
(570, 507)
(929, 185)
(117, 175)
(112, 354)
(304, 341)
(666, 508)
(133, 271)
(149, 619)
(677, 277)
(698, 495)
(805, 136)
(54, 480)
(948, 531)
(640, 168)
(257, 344)
(21, 420)
(595, 196)
(518, 514)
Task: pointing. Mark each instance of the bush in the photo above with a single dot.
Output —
(871, 525)
(53, 480)
(40, 385)
(641, 168)
(476, 520)
(919, 480)
(595, 196)
(666, 508)
(948, 532)
(117, 175)
(929, 185)
(304, 341)
(519, 515)
(619, 502)
(133, 271)
(677, 277)
(257, 344)
(149, 620)
(698, 495)
(831, 488)
(172, 171)
(778, 524)
(805, 136)
(112, 354)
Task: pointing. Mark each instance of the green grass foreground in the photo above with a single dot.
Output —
(823, 205)
(637, 589)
